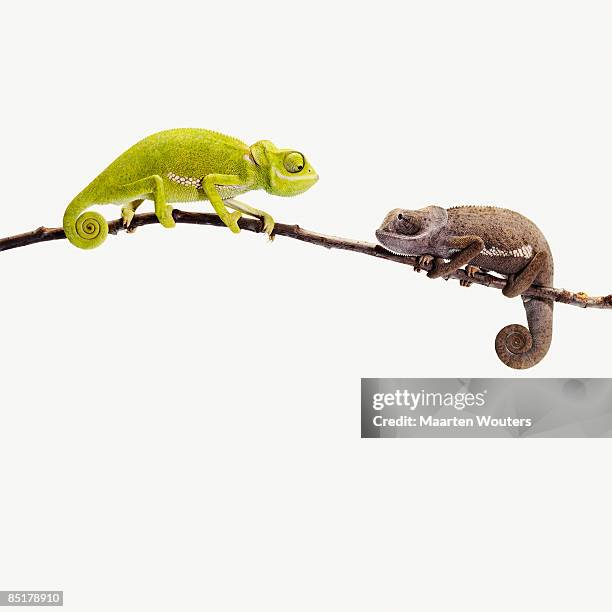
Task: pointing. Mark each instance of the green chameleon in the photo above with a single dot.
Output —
(185, 165)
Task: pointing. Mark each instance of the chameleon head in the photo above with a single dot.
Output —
(410, 232)
(285, 172)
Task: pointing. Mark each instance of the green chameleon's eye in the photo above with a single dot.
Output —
(294, 162)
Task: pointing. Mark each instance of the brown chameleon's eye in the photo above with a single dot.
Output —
(409, 224)
(294, 162)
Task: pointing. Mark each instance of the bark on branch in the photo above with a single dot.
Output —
(44, 234)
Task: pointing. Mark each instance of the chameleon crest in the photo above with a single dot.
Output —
(490, 239)
(185, 165)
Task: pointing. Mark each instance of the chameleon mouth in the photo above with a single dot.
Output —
(381, 233)
(313, 177)
(395, 252)
(384, 238)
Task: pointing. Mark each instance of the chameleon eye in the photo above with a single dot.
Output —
(409, 224)
(294, 162)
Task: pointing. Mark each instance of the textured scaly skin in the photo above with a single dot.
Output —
(184, 165)
(492, 239)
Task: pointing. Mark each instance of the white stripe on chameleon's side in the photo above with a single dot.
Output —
(525, 252)
(186, 181)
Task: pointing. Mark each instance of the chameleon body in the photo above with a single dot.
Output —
(184, 165)
(487, 238)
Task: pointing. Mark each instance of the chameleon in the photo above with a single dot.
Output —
(185, 165)
(483, 238)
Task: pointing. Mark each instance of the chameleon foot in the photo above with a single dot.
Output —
(127, 214)
(423, 260)
(166, 217)
(471, 272)
(128, 211)
(231, 220)
(268, 226)
(440, 269)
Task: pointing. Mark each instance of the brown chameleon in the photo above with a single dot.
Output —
(489, 239)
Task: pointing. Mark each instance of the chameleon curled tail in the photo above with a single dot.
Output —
(519, 347)
(86, 230)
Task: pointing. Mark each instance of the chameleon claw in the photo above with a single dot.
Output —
(268, 226)
(127, 214)
(232, 221)
(439, 269)
(423, 260)
(128, 210)
(471, 271)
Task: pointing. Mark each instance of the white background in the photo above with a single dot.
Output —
(180, 408)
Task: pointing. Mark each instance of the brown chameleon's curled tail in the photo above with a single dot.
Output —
(519, 347)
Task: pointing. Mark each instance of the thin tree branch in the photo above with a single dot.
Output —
(44, 234)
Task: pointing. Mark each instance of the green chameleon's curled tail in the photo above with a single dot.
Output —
(519, 347)
(87, 230)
